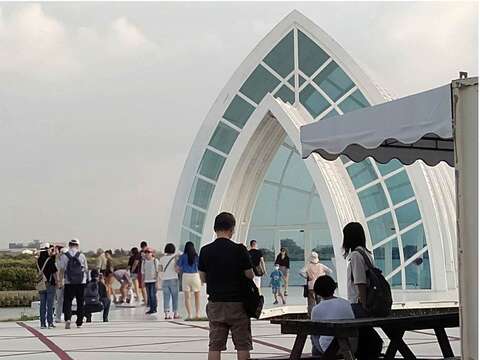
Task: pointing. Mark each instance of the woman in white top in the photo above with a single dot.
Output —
(150, 272)
(312, 271)
(169, 282)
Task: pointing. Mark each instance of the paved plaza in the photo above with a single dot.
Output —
(132, 335)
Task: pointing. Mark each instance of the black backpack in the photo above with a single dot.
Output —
(91, 298)
(74, 272)
(379, 294)
(252, 300)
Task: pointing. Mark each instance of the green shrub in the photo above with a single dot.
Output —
(17, 278)
(17, 298)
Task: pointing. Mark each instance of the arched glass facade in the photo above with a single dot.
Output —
(298, 71)
(288, 213)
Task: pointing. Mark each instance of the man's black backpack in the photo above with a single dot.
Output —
(252, 300)
(74, 272)
(379, 294)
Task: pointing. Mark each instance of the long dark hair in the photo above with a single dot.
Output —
(191, 252)
(353, 236)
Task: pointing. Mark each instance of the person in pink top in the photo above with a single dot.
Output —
(312, 271)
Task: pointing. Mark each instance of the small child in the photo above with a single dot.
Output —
(276, 279)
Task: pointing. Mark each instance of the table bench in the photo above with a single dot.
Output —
(393, 326)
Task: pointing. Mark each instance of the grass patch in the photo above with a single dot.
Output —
(198, 319)
(23, 317)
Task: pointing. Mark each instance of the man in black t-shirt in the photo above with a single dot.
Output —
(222, 266)
(258, 263)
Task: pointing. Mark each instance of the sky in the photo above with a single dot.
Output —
(100, 102)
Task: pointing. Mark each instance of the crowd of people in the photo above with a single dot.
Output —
(222, 265)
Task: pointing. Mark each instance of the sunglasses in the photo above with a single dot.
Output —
(147, 252)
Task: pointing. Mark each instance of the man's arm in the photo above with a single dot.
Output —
(203, 276)
(362, 294)
(262, 264)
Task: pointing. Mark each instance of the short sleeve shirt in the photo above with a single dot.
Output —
(224, 262)
(357, 273)
(167, 265)
(255, 256)
(185, 266)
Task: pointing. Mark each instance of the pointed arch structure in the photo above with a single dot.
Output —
(295, 75)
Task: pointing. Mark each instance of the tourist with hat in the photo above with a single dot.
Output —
(311, 272)
(74, 272)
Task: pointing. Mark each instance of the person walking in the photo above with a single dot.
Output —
(101, 261)
(150, 274)
(48, 273)
(223, 265)
(284, 262)
(276, 279)
(59, 251)
(259, 268)
(354, 244)
(312, 271)
(188, 265)
(169, 278)
(134, 266)
(74, 272)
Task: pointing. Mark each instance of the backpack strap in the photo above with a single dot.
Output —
(43, 266)
(68, 255)
(367, 260)
(77, 254)
(169, 262)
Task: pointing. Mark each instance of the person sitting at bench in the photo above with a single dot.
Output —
(330, 308)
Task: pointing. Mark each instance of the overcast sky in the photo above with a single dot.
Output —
(100, 102)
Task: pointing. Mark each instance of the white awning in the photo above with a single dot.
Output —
(411, 128)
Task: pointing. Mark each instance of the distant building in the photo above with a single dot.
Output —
(35, 244)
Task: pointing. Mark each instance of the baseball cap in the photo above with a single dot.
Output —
(44, 246)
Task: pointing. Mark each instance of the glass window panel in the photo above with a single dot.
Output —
(373, 200)
(259, 83)
(201, 193)
(354, 102)
(334, 81)
(413, 241)
(238, 111)
(188, 236)
(297, 174)
(275, 170)
(399, 187)
(194, 219)
(223, 138)
(211, 164)
(313, 101)
(286, 95)
(292, 208)
(408, 214)
(280, 58)
(310, 55)
(381, 227)
(265, 205)
(396, 281)
(321, 243)
(317, 212)
(289, 142)
(361, 173)
(389, 167)
(417, 273)
(387, 256)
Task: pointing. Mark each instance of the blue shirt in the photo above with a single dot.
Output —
(183, 264)
(276, 279)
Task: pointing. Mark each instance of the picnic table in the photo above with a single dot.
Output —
(393, 326)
